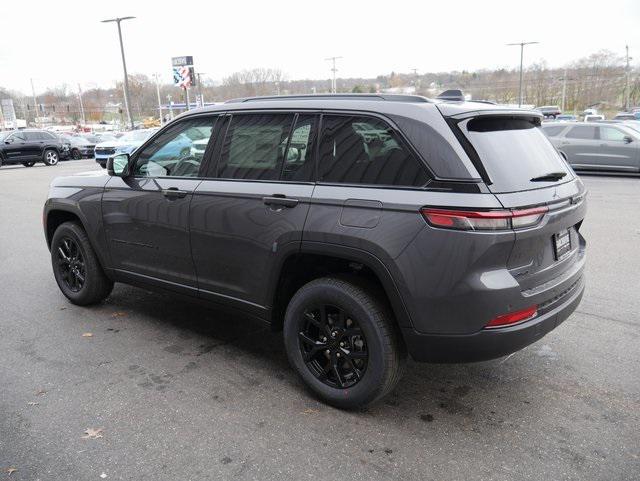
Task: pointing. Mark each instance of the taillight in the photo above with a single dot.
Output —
(512, 318)
(483, 220)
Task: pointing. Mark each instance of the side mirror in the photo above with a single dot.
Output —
(627, 139)
(118, 165)
(9, 140)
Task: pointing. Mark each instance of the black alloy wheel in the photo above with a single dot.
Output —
(333, 346)
(75, 154)
(71, 264)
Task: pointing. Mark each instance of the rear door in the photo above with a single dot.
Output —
(249, 212)
(146, 215)
(617, 149)
(525, 171)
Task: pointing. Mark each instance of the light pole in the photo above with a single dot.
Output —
(334, 70)
(521, 44)
(127, 103)
(157, 77)
(626, 81)
(84, 120)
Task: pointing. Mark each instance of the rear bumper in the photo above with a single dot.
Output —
(490, 344)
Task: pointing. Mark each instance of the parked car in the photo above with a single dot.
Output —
(125, 144)
(597, 145)
(448, 230)
(78, 146)
(27, 147)
(566, 118)
(593, 117)
(549, 111)
(625, 116)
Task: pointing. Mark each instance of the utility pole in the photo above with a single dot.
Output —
(35, 102)
(127, 101)
(626, 86)
(170, 107)
(199, 74)
(334, 70)
(84, 120)
(521, 44)
(415, 80)
(564, 79)
(157, 77)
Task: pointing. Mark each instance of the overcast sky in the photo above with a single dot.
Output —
(63, 41)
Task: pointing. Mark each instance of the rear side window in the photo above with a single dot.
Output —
(366, 150)
(553, 131)
(582, 132)
(514, 151)
(612, 134)
(254, 146)
(33, 136)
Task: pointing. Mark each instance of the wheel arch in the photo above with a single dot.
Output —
(56, 215)
(316, 260)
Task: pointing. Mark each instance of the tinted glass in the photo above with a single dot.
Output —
(33, 136)
(254, 146)
(513, 151)
(612, 134)
(18, 137)
(582, 132)
(178, 152)
(553, 131)
(365, 150)
(298, 160)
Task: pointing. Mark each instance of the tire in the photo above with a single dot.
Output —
(29, 163)
(50, 157)
(96, 286)
(75, 154)
(380, 342)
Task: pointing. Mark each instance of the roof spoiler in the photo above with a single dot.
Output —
(452, 95)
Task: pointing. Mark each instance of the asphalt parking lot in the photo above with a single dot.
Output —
(185, 393)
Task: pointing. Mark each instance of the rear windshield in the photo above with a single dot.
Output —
(514, 151)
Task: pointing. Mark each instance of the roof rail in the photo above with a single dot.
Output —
(375, 97)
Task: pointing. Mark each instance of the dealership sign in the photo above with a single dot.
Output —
(183, 72)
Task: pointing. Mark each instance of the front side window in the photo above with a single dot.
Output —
(582, 132)
(254, 146)
(366, 150)
(178, 152)
(612, 134)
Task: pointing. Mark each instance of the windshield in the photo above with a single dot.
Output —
(514, 151)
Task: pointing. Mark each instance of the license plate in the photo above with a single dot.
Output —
(562, 244)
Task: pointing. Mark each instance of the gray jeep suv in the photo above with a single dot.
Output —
(365, 227)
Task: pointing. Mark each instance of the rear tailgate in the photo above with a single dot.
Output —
(523, 170)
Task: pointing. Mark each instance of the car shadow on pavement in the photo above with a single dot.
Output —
(492, 392)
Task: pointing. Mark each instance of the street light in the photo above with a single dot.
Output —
(521, 44)
(334, 70)
(127, 103)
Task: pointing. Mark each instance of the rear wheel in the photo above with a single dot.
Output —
(342, 340)
(50, 157)
(30, 163)
(75, 266)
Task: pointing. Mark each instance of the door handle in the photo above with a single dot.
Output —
(174, 193)
(280, 200)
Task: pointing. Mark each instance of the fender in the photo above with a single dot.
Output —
(356, 255)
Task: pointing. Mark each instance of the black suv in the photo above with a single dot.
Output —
(366, 227)
(27, 147)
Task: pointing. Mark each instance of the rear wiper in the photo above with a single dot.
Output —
(550, 177)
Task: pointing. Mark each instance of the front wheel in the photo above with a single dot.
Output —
(50, 157)
(342, 340)
(76, 267)
(75, 154)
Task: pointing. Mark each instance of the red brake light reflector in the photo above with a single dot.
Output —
(483, 220)
(512, 318)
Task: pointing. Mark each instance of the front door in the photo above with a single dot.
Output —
(616, 152)
(146, 215)
(251, 212)
(16, 147)
(581, 146)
